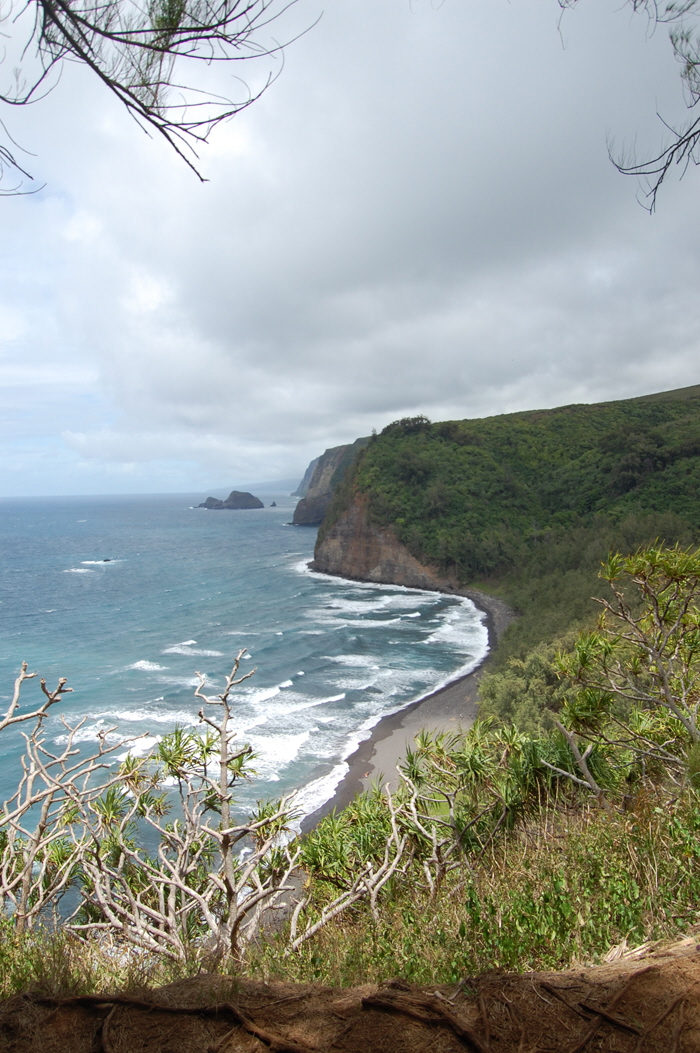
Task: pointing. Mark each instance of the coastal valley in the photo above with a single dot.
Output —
(531, 880)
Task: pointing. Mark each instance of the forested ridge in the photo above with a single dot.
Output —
(528, 504)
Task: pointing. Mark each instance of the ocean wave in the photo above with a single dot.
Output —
(178, 681)
(78, 570)
(461, 630)
(262, 695)
(361, 661)
(141, 747)
(274, 752)
(310, 797)
(369, 623)
(313, 703)
(147, 667)
(195, 652)
(90, 733)
(150, 716)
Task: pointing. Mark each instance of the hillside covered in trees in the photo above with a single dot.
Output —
(527, 505)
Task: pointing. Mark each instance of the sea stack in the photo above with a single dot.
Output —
(236, 499)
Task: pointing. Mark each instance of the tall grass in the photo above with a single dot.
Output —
(563, 888)
(57, 963)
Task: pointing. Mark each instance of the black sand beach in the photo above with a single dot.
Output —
(449, 709)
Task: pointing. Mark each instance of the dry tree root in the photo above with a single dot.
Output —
(428, 1011)
(276, 1043)
(681, 1000)
(605, 1014)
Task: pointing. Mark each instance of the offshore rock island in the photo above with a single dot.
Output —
(236, 499)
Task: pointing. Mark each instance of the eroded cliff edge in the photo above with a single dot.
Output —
(322, 478)
(353, 547)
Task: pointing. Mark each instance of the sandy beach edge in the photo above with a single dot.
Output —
(448, 709)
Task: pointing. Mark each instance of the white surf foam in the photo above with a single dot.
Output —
(196, 652)
(315, 702)
(149, 716)
(91, 733)
(78, 570)
(262, 695)
(140, 747)
(310, 797)
(275, 752)
(147, 667)
(359, 660)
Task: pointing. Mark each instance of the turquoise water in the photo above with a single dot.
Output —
(183, 590)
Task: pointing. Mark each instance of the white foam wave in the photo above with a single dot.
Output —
(90, 733)
(368, 623)
(147, 667)
(149, 716)
(359, 660)
(274, 752)
(310, 797)
(315, 702)
(263, 695)
(178, 681)
(353, 685)
(286, 683)
(78, 570)
(140, 747)
(193, 651)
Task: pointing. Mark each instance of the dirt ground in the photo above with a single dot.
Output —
(645, 1002)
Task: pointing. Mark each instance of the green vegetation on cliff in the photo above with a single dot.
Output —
(527, 505)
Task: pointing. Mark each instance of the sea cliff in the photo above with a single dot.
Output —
(353, 547)
(321, 480)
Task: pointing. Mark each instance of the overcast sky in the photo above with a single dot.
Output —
(418, 217)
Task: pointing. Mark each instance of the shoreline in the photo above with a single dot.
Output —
(450, 708)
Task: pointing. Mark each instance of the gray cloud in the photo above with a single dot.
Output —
(419, 216)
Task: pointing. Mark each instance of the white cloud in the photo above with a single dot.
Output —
(419, 216)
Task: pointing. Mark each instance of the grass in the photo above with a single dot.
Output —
(562, 889)
(54, 963)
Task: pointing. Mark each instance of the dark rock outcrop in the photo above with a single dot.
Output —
(327, 472)
(236, 499)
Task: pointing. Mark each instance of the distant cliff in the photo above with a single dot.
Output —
(236, 499)
(322, 478)
(303, 487)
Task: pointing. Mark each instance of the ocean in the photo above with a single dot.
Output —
(128, 596)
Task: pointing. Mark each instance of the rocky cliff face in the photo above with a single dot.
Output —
(303, 487)
(328, 470)
(355, 548)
